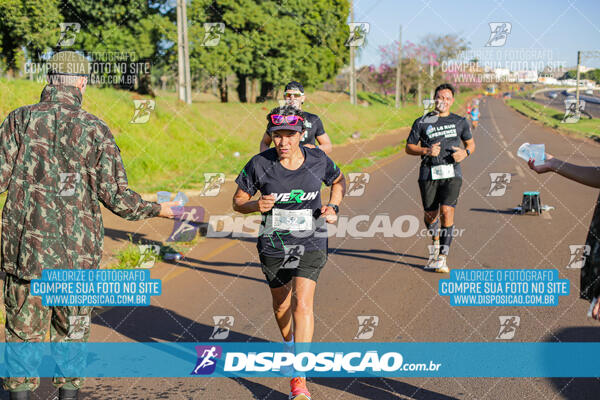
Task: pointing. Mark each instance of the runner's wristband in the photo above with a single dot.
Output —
(335, 208)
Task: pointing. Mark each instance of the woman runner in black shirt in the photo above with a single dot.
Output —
(292, 243)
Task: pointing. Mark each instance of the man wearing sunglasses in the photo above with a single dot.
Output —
(436, 137)
(294, 96)
(292, 241)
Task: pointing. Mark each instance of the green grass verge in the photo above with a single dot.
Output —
(181, 142)
(552, 118)
(359, 164)
(129, 256)
(376, 98)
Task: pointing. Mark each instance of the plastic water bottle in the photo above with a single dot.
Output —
(523, 151)
(536, 152)
(181, 198)
(162, 197)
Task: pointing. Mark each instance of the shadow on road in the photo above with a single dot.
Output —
(491, 210)
(157, 324)
(136, 237)
(366, 388)
(152, 324)
(188, 263)
(368, 255)
(576, 388)
(381, 388)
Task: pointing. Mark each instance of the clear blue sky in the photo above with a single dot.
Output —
(560, 28)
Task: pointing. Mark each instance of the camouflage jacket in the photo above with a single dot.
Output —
(58, 163)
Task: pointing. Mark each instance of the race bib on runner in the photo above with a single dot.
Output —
(442, 171)
(292, 220)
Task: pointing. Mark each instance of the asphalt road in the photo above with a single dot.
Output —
(383, 277)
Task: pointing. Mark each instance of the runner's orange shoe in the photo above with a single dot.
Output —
(298, 390)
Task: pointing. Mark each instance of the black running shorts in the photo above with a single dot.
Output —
(308, 265)
(441, 192)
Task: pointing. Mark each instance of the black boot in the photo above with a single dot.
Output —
(67, 394)
(22, 395)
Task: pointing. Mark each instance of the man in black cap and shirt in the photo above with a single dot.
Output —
(436, 137)
(294, 96)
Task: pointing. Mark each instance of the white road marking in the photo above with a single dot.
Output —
(511, 155)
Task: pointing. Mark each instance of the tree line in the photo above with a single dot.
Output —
(250, 46)
(262, 43)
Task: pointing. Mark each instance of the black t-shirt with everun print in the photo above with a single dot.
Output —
(294, 218)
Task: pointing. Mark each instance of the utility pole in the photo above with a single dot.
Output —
(352, 68)
(399, 71)
(577, 85)
(585, 55)
(183, 56)
(419, 83)
(431, 75)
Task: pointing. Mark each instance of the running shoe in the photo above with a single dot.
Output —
(434, 253)
(298, 390)
(441, 266)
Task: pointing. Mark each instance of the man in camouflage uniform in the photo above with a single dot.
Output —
(58, 163)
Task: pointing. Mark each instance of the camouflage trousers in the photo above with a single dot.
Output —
(27, 320)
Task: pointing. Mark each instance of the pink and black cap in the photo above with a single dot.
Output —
(285, 118)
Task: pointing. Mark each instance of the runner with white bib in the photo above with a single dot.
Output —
(436, 137)
(292, 243)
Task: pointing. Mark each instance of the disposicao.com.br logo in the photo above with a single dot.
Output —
(313, 363)
(370, 361)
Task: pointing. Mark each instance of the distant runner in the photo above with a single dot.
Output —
(436, 137)
(292, 244)
(294, 96)
(475, 116)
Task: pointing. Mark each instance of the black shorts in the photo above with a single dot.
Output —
(441, 192)
(308, 265)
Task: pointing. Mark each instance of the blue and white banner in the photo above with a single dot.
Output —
(229, 359)
(96, 288)
(504, 287)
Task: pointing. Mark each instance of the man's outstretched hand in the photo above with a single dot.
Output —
(165, 209)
